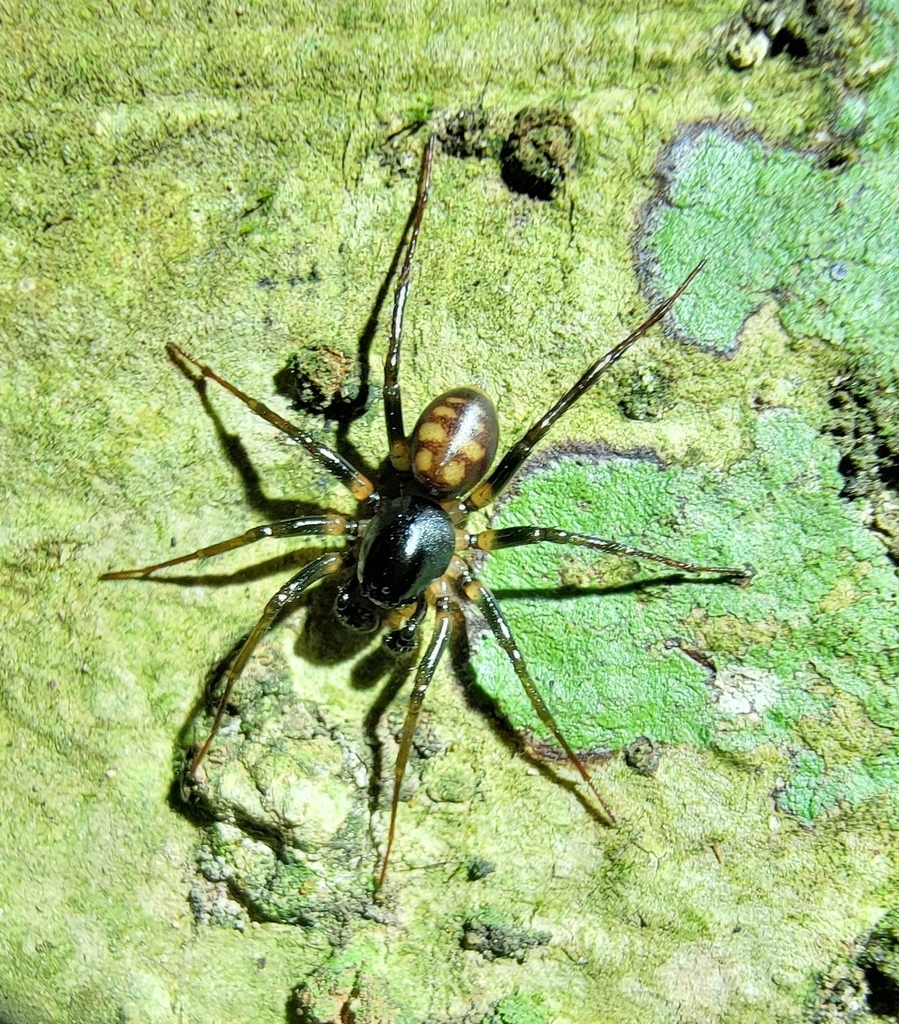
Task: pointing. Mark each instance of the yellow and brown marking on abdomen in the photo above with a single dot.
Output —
(454, 442)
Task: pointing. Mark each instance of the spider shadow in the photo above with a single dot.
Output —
(564, 593)
(321, 640)
(324, 641)
(339, 644)
(342, 412)
(542, 756)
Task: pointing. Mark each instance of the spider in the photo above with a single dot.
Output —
(402, 555)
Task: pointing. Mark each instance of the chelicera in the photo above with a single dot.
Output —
(405, 554)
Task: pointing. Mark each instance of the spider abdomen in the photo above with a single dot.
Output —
(407, 545)
(454, 441)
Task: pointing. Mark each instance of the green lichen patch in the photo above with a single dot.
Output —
(284, 789)
(824, 255)
(802, 659)
(516, 1009)
(809, 231)
(489, 931)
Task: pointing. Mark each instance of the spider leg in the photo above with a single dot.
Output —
(443, 626)
(359, 485)
(490, 488)
(285, 597)
(516, 536)
(486, 603)
(393, 406)
(403, 639)
(317, 526)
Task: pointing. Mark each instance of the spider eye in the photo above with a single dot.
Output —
(454, 441)
(354, 612)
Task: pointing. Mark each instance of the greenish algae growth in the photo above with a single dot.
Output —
(351, 985)
(517, 1010)
(812, 230)
(282, 792)
(219, 178)
(784, 661)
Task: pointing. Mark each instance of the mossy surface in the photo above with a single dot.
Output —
(230, 179)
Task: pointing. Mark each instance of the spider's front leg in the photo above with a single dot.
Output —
(321, 526)
(443, 627)
(287, 596)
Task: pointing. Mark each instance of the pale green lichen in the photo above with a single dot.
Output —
(216, 179)
(699, 664)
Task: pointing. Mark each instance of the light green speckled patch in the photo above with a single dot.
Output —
(803, 658)
(815, 231)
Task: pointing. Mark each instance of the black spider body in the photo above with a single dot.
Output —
(405, 555)
(408, 544)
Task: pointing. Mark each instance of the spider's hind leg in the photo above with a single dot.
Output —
(489, 490)
(397, 441)
(487, 604)
(356, 482)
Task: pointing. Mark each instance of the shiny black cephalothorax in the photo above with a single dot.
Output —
(406, 554)
(408, 544)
